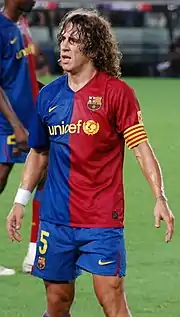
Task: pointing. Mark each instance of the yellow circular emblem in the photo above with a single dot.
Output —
(90, 127)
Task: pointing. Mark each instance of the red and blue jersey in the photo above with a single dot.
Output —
(85, 132)
(17, 71)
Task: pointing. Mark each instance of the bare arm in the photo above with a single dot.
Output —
(150, 168)
(152, 172)
(40, 85)
(8, 112)
(34, 169)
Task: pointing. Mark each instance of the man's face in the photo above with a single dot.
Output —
(71, 57)
(25, 5)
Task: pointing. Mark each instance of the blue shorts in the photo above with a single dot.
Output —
(62, 252)
(9, 152)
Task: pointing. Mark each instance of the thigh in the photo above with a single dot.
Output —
(103, 252)
(55, 254)
(9, 153)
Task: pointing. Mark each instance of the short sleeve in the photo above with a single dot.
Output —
(38, 132)
(129, 118)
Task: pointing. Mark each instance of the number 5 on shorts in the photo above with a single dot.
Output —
(43, 240)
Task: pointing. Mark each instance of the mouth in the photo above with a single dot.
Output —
(65, 58)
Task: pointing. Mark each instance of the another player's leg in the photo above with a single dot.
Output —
(47, 315)
(29, 259)
(55, 263)
(9, 155)
(5, 169)
(103, 254)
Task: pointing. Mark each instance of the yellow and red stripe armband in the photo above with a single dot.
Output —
(135, 135)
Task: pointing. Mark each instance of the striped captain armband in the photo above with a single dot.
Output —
(135, 135)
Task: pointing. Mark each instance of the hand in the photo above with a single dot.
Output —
(21, 136)
(163, 212)
(14, 222)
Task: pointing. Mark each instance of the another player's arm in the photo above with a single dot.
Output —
(40, 84)
(6, 109)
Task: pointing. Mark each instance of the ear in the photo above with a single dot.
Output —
(92, 55)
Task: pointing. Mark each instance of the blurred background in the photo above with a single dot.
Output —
(148, 34)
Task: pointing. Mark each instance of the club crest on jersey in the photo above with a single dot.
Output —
(94, 103)
(41, 263)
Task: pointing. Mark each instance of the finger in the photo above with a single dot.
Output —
(169, 232)
(169, 220)
(11, 234)
(16, 151)
(168, 236)
(173, 220)
(18, 223)
(10, 229)
(157, 222)
(24, 149)
(17, 236)
(23, 146)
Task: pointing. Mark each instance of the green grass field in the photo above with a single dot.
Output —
(153, 275)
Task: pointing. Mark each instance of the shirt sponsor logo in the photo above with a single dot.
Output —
(25, 51)
(89, 127)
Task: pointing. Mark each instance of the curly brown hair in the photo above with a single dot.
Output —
(96, 39)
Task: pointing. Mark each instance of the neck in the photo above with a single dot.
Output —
(78, 80)
(11, 13)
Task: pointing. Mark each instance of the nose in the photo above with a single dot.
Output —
(65, 46)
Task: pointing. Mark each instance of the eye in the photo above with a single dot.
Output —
(74, 40)
(62, 38)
